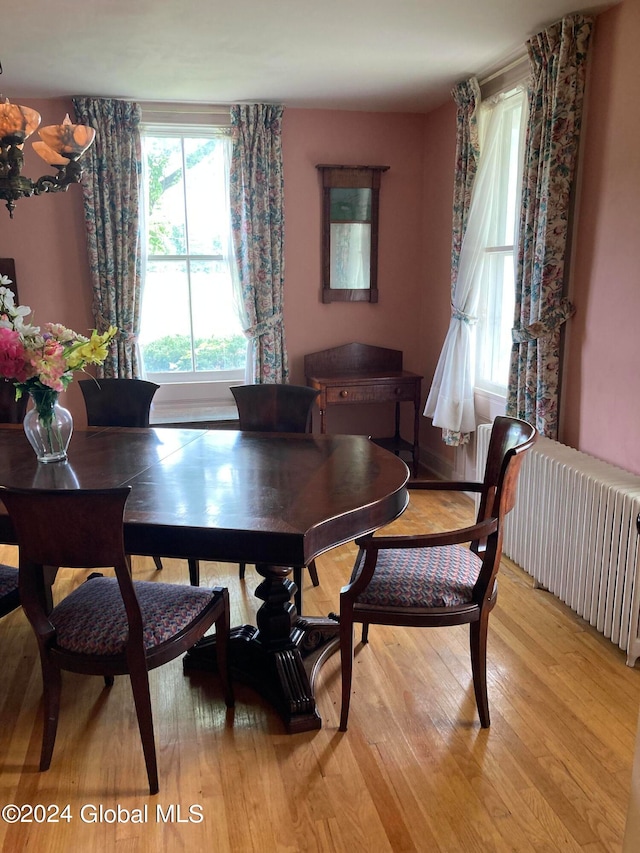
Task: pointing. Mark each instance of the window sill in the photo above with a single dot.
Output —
(193, 402)
(488, 405)
(179, 413)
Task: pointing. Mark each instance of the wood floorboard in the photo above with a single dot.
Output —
(414, 772)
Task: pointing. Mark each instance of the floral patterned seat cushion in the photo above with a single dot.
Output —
(92, 619)
(421, 577)
(8, 580)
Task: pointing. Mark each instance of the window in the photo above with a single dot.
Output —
(191, 339)
(501, 123)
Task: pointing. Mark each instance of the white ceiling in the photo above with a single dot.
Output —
(392, 55)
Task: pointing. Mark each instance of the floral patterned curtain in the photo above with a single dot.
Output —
(111, 187)
(558, 67)
(257, 223)
(446, 403)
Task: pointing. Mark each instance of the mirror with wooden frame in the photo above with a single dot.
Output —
(350, 212)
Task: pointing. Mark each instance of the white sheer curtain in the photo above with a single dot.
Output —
(451, 399)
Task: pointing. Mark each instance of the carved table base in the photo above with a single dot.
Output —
(282, 656)
(284, 677)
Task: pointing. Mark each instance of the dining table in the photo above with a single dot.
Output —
(273, 499)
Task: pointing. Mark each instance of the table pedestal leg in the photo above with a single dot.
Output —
(282, 656)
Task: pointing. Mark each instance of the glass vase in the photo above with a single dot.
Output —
(48, 426)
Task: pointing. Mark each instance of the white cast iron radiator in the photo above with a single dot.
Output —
(574, 530)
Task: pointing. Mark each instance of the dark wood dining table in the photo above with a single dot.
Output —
(276, 500)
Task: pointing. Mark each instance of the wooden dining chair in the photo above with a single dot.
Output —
(125, 403)
(429, 580)
(12, 411)
(277, 408)
(118, 402)
(9, 596)
(106, 626)
(274, 407)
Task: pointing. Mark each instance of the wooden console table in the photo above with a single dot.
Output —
(359, 373)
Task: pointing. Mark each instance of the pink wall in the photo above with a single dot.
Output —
(601, 403)
(354, 138)
(439, 163)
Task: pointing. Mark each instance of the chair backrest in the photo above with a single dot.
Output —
(118, 402)
(275, 407)
(75, 528)
(12, 411)
(510, 440)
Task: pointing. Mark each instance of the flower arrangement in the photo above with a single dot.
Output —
(41, 363)
(43, 360)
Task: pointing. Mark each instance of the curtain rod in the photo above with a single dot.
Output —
(185, 107)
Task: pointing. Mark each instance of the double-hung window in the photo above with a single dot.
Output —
(501, 126)
(191, 340)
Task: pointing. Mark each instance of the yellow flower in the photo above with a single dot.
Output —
(94, 351)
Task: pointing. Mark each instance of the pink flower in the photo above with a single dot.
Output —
(13, 360)
(49, 364)
(59, 332)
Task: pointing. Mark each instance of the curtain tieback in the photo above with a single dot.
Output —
(263, 327)
(457, 314)
(547, 325)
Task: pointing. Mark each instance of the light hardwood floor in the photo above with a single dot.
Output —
(415, 772)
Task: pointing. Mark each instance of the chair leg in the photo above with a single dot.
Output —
(158, 563)
(241, 570)
(478, 642)
(108, 680)
(52, 687)
(365, 632)
(140, 686)
(346, 662)
(313, 573)
(223, 625)
(194, 572)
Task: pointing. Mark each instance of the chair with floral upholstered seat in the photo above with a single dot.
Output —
(106, 626)
(428, 580)
(9, 596)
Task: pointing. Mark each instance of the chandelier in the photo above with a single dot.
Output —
(60, 145)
